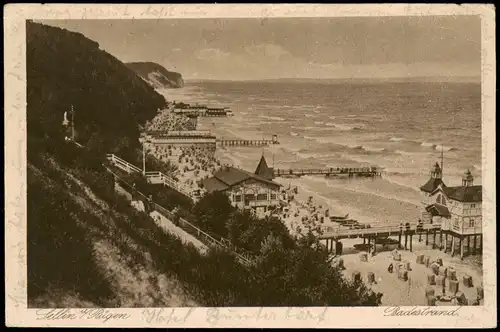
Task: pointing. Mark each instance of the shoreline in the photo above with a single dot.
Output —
(307, 211)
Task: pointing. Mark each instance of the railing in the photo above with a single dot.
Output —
(376, 230)
(122, 164)
(371, 171)
(150, 176)
(190, 228)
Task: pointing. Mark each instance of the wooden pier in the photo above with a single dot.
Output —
(250, 143)
(350, 172)
(382, 232)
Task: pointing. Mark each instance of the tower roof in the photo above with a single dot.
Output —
(436, 168)
(467, 174)
(263, 170)
(431, 185)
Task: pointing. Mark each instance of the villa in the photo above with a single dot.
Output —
(255, 191)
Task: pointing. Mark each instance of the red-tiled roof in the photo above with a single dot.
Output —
(465, 193)
(432, 184)
(438, 210)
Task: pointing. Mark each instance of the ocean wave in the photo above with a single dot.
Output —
(396, 139)
(427, 145)
(277, 118)
(294, 134)
(330, 124)
(346, 127)
(318, 122)
(440, 147)
(368, 149)
(332, 117)
(315, 111)
(310, 115)
(407, 153)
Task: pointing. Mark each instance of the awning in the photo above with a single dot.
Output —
(438, 210)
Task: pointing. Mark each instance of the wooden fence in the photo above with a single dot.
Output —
(188, 227)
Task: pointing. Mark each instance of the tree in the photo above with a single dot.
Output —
(303, 276)
(212, 212)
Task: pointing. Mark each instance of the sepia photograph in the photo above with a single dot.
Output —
(238, 162)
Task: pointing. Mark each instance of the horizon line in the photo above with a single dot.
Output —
(471, 79)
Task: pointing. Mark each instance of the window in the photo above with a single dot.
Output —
(471, 223)
(273, 196)
(262, 197)
(237, 198)
(249, 197)
(473, 206)
(455, 222)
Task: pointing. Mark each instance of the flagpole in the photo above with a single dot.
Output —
(442, 158)
(72, 123)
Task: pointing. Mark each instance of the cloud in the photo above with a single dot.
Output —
(211, 54)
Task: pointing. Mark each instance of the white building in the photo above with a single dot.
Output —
(457, 209)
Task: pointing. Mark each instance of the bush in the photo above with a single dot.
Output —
(212, 211)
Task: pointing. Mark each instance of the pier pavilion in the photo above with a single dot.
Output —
(457, 210)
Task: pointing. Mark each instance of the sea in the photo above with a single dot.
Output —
(403, 127)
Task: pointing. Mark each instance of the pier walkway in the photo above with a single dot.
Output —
(242, 142)
(381, 232)
(366, 172)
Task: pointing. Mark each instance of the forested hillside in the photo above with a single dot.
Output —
(88, 247)
(65, 68)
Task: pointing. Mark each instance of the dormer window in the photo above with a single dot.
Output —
(441, 200)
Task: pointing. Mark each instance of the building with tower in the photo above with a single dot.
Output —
(457, 209)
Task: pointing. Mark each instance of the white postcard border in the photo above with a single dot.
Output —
(15, 177)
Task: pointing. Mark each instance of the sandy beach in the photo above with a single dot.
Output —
(410, 292)
(306, 212)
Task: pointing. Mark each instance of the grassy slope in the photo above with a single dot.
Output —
(82, 252)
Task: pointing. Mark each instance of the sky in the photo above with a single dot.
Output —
(268, 48)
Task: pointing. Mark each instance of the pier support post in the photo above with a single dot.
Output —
(399, 240)
(475, 245)
(445, 242)
(427, 238)
(364, 240)
(411, 242)
(406, 241)
(434, 240)
(480, 244)
(440, 240)
(452, 245)
(468, 245)
(461, 242)
(374, 244)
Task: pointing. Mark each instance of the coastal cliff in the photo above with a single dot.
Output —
(157, 75)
